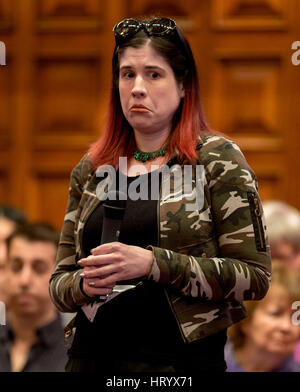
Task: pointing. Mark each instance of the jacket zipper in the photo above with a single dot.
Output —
(258, 220)
(257, 215)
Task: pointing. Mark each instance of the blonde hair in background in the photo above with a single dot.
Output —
(283, 223)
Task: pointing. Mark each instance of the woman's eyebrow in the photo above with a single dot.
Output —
(147, 67)
(154, 66)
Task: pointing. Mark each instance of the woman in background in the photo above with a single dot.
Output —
(265, 340)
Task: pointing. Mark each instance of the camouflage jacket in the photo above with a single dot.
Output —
(209, 259)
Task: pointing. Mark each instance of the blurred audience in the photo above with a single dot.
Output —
(33, 338)
(265, 340)
(10, 218)
(283, 224)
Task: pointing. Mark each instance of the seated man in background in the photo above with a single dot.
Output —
(33, 339)
(283, 224)
(10, 218)
(266, 339)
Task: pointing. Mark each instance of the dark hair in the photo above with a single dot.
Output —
(117, 137)
(35, 232)
(13, 214)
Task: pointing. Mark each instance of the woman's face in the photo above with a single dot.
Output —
(271, 328)
(149, 92)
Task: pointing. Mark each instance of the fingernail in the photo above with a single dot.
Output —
(79, 262)
(91, 284)
(82, 275)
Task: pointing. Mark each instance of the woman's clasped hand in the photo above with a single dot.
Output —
(113, 262)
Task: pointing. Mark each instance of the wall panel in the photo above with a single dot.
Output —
(251, 14)
(246, 96)
(67, 101)
(47, 197)
(6, 103)
(54, 88)
(71, 15)
(3, 187)
(7, 8)
(186, 13)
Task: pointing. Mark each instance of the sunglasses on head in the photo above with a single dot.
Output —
(155, 27)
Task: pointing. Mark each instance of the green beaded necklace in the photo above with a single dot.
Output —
(148, 156)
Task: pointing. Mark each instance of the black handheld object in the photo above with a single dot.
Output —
(113, 215)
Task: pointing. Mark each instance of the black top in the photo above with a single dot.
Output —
(139, 225)
(48, 354)
(138, 324)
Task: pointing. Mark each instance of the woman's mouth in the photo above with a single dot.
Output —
(139, 109)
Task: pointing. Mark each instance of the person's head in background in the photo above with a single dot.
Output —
(31, 256)
(153, 66)
(283, 225)
(267, 337)
(10, 218)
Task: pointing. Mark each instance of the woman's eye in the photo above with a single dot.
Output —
(127, 75)
(276, 312)
(155, 75)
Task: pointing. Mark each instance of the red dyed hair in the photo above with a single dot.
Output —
(117, 139)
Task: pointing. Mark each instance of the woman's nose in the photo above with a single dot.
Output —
(138, 89)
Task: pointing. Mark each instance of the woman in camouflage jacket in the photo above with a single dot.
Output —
(206, 260)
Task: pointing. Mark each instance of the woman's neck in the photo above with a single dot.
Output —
(253, 359)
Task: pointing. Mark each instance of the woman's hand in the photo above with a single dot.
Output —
(88, 284)
(113, 262)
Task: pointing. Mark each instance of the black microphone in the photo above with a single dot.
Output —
(114, 210)
(113, 215)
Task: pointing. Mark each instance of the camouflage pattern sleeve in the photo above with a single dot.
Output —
(65, 289)
(233, 263)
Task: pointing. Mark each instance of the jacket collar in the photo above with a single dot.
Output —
(47, 334)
